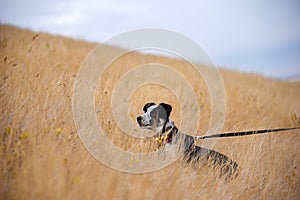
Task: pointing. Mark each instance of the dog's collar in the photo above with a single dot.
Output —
(166, 136)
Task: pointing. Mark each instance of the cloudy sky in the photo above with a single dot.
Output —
(253, 36)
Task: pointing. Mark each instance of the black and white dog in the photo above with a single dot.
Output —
(156, 118)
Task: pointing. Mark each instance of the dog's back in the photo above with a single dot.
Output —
(194, 154)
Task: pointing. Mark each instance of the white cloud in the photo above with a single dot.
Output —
(68, 18)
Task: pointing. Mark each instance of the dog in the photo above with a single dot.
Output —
(156, 118)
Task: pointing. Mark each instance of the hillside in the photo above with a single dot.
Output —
(42, 156)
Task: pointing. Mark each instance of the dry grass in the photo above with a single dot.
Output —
(43, 158)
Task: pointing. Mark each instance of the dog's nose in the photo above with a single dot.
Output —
(139, 119)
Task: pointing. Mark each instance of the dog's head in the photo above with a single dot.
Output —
(155, 116)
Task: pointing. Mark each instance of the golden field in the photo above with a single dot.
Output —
(42, 156)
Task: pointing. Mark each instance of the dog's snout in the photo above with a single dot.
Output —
(139, 119)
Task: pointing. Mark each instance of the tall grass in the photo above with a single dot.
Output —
(43, 158)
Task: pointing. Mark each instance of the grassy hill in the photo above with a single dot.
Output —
(42, 156)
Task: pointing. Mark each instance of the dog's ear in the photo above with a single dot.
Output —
(147, 105)
(167, 107)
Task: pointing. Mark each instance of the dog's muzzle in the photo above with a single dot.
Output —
(139, 120)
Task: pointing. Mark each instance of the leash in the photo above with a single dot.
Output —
(243, 133)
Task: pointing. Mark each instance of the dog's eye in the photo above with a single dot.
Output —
(153, 114)
(158, 113)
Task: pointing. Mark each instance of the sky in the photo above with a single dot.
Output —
(261, 36)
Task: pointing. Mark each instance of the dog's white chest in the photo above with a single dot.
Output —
(170, 148)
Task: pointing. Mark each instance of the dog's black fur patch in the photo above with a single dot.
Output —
(147, 105)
